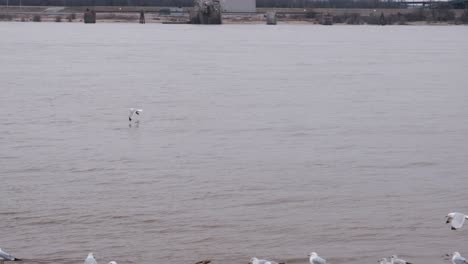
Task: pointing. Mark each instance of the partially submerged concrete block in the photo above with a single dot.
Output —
(142, 17)
(271, 18)
(327, 20)
(89, 16)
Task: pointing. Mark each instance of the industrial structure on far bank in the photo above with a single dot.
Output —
(239, 6)
(210, 11)
(206, 12)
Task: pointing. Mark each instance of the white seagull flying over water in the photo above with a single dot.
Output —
(134, 111)
(458, 259)
(315, 259)
(5, 256)
(90, 259)
(456, 220)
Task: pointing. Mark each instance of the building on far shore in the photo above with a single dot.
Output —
(246, 6)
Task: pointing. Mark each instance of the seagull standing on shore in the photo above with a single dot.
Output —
(90, 259)
(456, 220)
(458, 259)
(315, 259)
(134, 111)
(395, 260)
(7, 257)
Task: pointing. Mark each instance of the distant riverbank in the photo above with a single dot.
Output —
(409, 16)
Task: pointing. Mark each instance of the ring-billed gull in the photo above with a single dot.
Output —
(456, 220)
(458, 259)
(90, 259)
(134, 111)
(314, 258)
(5, 256)
(261, 261)
(395, 260)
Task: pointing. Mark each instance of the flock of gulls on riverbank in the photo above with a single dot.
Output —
(455, 219)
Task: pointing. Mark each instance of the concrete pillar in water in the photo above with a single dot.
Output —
(271, 18)
(89, 16)
(142, 17)
(327, 20)
(382, 21)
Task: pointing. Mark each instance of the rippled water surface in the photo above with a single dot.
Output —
(255, 141)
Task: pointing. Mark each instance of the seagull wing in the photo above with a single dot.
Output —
(318, 260)
(400, 261)
(90, 260)
(458, 220)
(130, 115)
(6, 256)
(459, 260)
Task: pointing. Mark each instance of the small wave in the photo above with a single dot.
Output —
(299, 134)
(212, 226)
(9, 157)
(275, 202)
(419, 164)
(11, 213)
(119, 217)
(201, 240)
(149, 221)
(46, 222)
(51, 260)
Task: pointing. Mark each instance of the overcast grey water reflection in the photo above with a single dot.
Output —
(255, 141)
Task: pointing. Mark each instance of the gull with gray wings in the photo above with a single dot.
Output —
(7, 257)
(456, 220)
(314, 258)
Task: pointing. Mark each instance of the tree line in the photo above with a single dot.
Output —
(328, 4)
(171, 3)
(189, 3)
